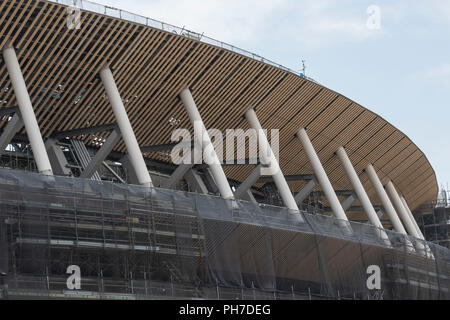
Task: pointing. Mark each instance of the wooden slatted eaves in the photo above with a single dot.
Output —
(151, 67)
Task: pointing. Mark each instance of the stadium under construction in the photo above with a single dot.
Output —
(90, 97)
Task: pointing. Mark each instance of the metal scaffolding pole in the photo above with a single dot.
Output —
(26, 111)
(134, 152)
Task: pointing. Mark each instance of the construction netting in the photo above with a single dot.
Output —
(136, 242)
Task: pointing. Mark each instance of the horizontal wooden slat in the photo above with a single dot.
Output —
(151, 67)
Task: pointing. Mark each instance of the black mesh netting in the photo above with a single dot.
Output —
(135, 242)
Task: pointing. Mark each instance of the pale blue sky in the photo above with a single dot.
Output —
(401, 72)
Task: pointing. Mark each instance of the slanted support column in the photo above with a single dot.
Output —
(101, 154)
(210, 182)
(26, 111)
(270, 159)
(134, 152)
(358, 188)
(13, 126)
(411, 216)
(195, 182)
(187, 163)
(57, 158)
(210, 155)
(306, 191)
(380, 213)
(248, 183)
(428, 250)
(397, 202)
(348, 203)
(321, 175)
(385, 201)
(248, 196)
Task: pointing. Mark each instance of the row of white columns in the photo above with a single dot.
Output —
(393, 204)
(32, 128)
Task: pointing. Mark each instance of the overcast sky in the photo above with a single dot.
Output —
(400, 71)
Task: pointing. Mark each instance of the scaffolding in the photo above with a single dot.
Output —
(139, 243)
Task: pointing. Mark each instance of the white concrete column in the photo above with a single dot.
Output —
(321, 175)
(358, 188)
(26, 111)
(271, 161)
(306, 191)
(429, 253)
(209, 153)
(411, 216)
(387, 204)
(186, 164)
(134, 152)
(348, 203)
(393, 195)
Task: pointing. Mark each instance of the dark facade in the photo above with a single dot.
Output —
(435, 226)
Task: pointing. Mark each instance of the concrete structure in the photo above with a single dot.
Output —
(128, 136)
(321, 175)
(26, 110)
(271, 161)
(208, 149)
(212, 223)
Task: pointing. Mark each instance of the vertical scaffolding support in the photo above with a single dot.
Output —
(26, 111)
(358, 188)
(213, 161)
(387, 204)
(321, 175)
(134, 152)
(271, 161)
